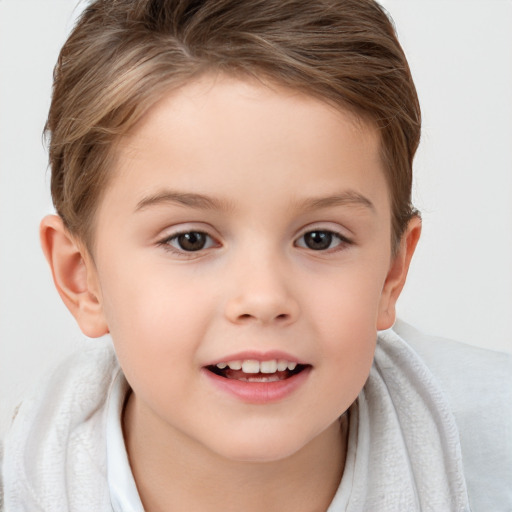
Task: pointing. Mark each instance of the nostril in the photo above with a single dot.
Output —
(280, 318)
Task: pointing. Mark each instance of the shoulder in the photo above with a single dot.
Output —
(54, 451)
(478, 387)
(473, 378)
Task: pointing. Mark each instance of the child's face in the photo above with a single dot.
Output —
(287, 257)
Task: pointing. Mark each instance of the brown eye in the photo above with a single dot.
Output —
(318, 240)
(322, 240)
(191, 241)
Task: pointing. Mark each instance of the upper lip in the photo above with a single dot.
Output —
(256, 355)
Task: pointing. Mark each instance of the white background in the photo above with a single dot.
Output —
(460, 284)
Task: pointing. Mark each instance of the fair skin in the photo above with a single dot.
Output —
(243, 222)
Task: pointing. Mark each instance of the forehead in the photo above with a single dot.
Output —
(229, 99)
(224, 135)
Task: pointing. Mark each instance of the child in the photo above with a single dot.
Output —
(232, 181)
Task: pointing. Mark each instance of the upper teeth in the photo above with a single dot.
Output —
(254, 366)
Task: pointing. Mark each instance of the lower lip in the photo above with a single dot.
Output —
(259, 392)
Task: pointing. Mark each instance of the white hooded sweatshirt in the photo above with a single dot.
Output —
(430, 431)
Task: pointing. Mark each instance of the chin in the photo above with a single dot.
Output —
(260, 448)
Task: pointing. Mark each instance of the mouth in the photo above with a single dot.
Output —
(252, 370)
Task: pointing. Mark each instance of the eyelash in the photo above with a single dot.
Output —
(167, 243)
(342, 241)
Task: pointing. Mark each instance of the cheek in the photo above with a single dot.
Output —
(156, 335)
(348, 301)
(345, 313)
(154, 315)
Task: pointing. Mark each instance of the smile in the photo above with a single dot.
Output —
(252, 370)
(258, 381)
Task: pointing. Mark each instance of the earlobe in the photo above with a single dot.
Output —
(397, 274)
(74, 276)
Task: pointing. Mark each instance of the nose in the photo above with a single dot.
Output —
(261, 295)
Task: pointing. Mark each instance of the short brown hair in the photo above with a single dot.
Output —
(124, 55)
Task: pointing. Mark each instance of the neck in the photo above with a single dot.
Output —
(173, 473)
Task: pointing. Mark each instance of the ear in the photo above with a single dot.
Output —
(397, 274)
(74, 275)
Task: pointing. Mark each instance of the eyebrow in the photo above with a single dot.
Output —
(188, 199)
(202, 202)
(347, 198)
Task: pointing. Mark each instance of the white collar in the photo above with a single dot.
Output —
(123, 491)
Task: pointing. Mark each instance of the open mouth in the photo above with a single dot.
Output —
(251, 370)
